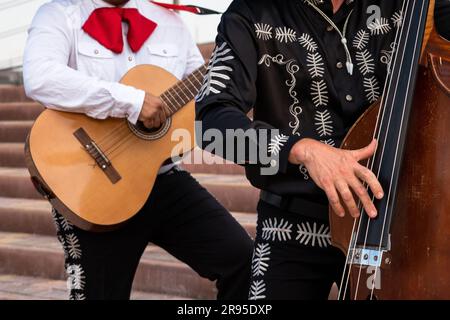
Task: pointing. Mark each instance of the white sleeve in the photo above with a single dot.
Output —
(49, 80)
(194, 57)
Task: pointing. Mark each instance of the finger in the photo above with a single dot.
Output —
(335, 201)
(369, 177)
(363, 195)
(157, 120)
(166, 109)
(148, 123)
(162, 117)
(347, 198)
(365, 152)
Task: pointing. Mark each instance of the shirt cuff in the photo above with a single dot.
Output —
(136, 106)
(285, 150)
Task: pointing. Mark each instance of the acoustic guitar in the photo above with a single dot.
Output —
(100, 173)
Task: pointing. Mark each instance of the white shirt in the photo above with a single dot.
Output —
(65, 69)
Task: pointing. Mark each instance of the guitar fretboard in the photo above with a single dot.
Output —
(184, 91)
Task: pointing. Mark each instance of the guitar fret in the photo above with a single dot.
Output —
(164, 99)
(174, 99)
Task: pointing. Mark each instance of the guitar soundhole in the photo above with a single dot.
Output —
(145, 133)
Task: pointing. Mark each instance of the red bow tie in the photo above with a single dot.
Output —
(105, 26)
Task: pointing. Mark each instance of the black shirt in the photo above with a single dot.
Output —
(283, 60)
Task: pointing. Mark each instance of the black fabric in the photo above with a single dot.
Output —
(293, 258)
(282, 59)
(182, 218)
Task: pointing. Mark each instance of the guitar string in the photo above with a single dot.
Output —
(355, 234)
(398, 139)
(385, 138)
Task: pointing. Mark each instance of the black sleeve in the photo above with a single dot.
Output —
(229, 93)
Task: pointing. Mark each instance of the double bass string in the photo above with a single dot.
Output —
(354, 235)
(388, 128)
(398, 139)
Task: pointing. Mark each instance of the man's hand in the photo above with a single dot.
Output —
(337, 171)
(154, 112)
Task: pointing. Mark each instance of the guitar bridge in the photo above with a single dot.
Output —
(98, 155)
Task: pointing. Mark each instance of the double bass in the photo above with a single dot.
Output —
(404, 253)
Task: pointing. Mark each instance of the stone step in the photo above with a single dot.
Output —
(34, 217)
(12, 155)
(13, 287)
(12, 93)
(42, 257)
(20, 110)
(14, 131)
(234, 192)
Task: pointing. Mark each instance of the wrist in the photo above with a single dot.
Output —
(300, 152)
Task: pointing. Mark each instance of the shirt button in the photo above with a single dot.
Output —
(96, 51)
(165, 51)
(273, 163)
(130, 59)
(339, 65)
(330, 28)
(349, 98)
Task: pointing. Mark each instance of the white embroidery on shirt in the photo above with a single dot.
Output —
(75, 277)
(379, 26)
(216, 76)
(324, 123)
(308, 43)
(361, 39)
(315, 65)
(292, 68)
(277, 143)
(365, 62)
(263, 31)
(329, 142)
(397, 19)
(319, 93)
(372, 89)
(285, 34)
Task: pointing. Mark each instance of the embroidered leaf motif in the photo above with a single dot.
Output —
(273, 230)
(307, 42)
(72, 246)
(329, 142)
(263, 31)
(319, 93)
(56, 220)
(257, 289)
(216, 75)
(276, 144)
(315, 64)
(75, 277)
(372, 89)
(365, 62)
(260, 261)
(361, 39)
(324, 123)
(65, 224)
(397, 19)
(77, 296)
(379, 26)
(284, 34)
(310, 236)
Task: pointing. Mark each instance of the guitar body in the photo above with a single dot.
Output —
(69, 177)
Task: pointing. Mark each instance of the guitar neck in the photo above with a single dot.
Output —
(184, 91)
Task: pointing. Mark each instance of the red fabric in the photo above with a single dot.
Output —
(105, 26)
(178, 7)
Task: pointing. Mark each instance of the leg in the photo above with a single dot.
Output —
(101, 266)
(293, 258)
(197, 230)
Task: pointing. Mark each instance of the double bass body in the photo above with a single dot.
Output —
(417, 265)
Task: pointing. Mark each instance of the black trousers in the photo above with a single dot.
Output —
(179, 216)
(293, 258)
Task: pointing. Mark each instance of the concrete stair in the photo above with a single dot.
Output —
(31, 258)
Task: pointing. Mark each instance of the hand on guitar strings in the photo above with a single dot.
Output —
(337, 171)
(154, 112)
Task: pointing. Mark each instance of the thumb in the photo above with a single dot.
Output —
(365, 152)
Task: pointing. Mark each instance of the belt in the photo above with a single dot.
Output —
(295, 205)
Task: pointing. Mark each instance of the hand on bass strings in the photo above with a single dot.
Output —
(337, 172)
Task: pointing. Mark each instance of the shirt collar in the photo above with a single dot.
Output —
(104, 4)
